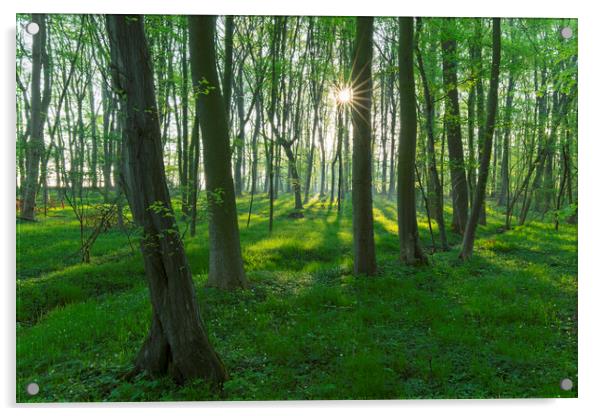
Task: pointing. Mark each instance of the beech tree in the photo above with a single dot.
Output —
(364, 254)
(225, 260)
(38, 113)
(485, 156)
(177, 343)
(409, 241)
(459, 185)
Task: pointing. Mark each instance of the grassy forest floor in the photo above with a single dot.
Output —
(501, 325)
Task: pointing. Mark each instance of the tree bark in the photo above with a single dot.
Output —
(505, 179)
(225, 258)
(454, 132)
(177, 343)
(228, 46)
(435, 189)
(409, 240)
(39, 108)
(364, 254)
(485, 156)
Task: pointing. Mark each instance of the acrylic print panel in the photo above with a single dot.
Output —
(283, 207)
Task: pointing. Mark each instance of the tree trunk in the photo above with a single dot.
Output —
(480, 102)
(93, 138)
(39, 108)
(228, 45)
(240, 142)
(287, 146)
(185, 145)
(485, 156)
(435, 189)
(454, 131)
(364, 254)
(392, 172)
(177, 343)
(107, 134)
(505, 180)
(225, 259)
(409, 241)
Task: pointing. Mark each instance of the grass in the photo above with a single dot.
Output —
(503, 324)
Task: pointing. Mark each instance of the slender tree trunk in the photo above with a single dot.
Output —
(287, 146)
(185, 145)
(240, 142)
(480, 102)
(258, 111)
(193, 175)
(435, 189)
(177, 343)
(93, 138)
(39, 109)
(392, 154)
(107, 109)
(471, 227)
(225, 259)
(505, 180)
(228, 46)
(322, 164)
(310, 156)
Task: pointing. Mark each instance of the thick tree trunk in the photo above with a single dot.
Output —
(454, 131)
(409, 241)
(485, 156)
(177, 343)
(225, 259)
(364, 254)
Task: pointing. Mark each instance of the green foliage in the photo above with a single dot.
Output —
(500, 325)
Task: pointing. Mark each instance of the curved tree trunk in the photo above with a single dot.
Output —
(177, 343)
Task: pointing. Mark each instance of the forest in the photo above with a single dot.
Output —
(295, 207)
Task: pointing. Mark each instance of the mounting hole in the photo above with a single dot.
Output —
(32, 28)
(566, 384)
(33, 389)
(566, 32)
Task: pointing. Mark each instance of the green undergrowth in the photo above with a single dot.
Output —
(503, 324)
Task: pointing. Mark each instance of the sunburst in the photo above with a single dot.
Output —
(354, 94)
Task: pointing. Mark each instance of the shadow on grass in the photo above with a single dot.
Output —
(500, 325)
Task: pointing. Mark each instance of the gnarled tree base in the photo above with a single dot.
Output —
(198, 360)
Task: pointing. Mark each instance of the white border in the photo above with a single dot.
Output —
(590, 232)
